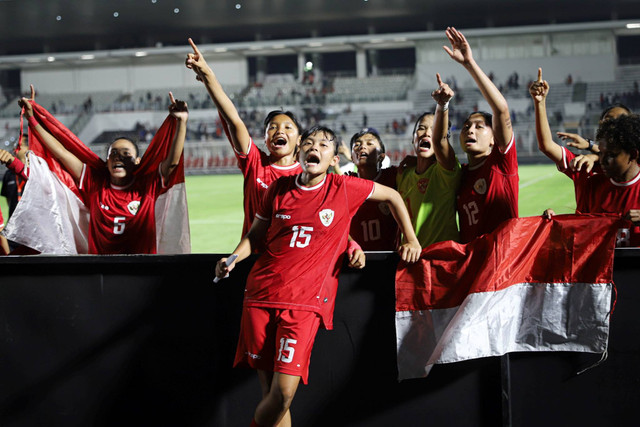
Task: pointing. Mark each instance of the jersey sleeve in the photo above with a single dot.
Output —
(507, 160)
(265, 209)
(247, 160)
(86, 183)
(358, 191)
(18, 168)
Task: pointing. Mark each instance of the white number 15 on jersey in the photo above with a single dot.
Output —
(301, 236)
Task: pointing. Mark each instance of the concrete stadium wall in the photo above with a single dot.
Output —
(149, 340)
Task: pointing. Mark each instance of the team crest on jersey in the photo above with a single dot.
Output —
(133, 207)
(384, 208)
(326, 217)
(480, 186)
(422, 185)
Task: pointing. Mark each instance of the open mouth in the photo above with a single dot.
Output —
(470, 141)
(312, 159)
(118, 166)
(279, 142)
(425, 144)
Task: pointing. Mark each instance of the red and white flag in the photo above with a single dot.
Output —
(51, 216)
(532, 285)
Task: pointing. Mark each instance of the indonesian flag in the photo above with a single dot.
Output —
(532, 285)
(51, 216)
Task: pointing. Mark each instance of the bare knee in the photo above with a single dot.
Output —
(282, 396)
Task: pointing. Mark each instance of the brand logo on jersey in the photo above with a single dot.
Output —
(384, 208)
(105, 207)
(259, 181)
(326, 217)
(422, 185)
(283, 216)
(480, 186)
(133, 207)
(253, 356)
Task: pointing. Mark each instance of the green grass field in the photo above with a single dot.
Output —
(215, 204)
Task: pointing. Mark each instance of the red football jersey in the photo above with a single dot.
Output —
(122, 219)
(373, 226)
(305, 243)
(259, 173)
(488, 193)
(597, 193)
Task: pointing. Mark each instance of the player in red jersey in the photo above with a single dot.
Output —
(489, 189)
(121, 205)
(282, 136)
(291, 289)
(614, 186)
(373, 225)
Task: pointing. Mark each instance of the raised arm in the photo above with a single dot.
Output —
(410, 251)
(72, 164)
(179, 110)
(238, 132)
(441, 146)
(539, 91)
(460, 52)
(256, 234)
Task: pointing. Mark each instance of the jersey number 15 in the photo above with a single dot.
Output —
(301, 236)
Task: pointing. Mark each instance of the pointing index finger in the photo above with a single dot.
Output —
(439, 79)
(171, 98)
(539, 75)
(194, 47)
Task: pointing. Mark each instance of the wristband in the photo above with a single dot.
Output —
(590, 141)
(352, 246)
(443, 108)
(32, 121)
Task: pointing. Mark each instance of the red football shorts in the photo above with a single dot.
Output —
(277, 340)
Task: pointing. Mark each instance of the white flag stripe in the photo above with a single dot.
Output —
(523, 317)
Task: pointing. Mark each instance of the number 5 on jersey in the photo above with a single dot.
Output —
(301, 236)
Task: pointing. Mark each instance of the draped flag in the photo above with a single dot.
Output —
(51, 217)
(532, 285)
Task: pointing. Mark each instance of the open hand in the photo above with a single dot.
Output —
(460, 50)
(583, 162)
(574, 140)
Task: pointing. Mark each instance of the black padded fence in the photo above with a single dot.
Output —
(149, 341)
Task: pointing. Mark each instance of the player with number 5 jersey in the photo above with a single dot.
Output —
(121, 202)
(291, 288)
